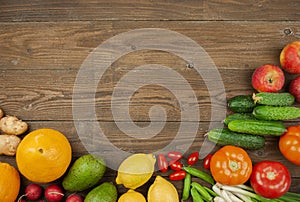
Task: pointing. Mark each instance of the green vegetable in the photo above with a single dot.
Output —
(186, 187)
(257, 127)
(239, 116)
(224, 136)
(85, 172)
(196, 195)
(200, 174)
(276, 113)
(202, 191)
(105, 192)
(241, 103)
(275, 99)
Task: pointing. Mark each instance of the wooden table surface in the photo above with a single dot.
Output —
(44, 44)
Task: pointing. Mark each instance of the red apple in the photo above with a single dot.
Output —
(268, 78)
(294, 88)
(290, 57)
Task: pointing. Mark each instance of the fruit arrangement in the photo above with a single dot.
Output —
(44, 156)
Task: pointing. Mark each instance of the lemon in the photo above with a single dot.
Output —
(136, 170)
(162, 191)
(132, 196)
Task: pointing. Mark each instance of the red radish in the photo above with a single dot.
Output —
(75, 198)
(32, 192)
(53, 193)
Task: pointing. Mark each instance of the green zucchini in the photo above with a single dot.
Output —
(241, 103)
(276, 113)
(257, 127)
(274, 99)
(224, 136)
(238, 116)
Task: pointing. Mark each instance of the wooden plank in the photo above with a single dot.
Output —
(60, 45)
(252, 10)
(100, 10)
(35, 96)
(37, 11)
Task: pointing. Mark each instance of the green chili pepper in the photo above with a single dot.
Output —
(200, 174)
(186, 187)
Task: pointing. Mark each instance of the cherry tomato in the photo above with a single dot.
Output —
(270, 179)
(289, 144)
(175, 165)
(206, 161)
(162, 163)
(177, 175)
(193, 158)
(175, 155)
(231, 165)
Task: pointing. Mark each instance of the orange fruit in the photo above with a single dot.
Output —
(43, 155)
(9, 183)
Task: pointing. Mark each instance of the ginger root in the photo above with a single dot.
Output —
(11, 125)
(9, 144)
(1, 113)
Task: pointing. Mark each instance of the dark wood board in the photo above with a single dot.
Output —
(44, 44)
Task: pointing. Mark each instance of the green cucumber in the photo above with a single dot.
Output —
(241, 103)
(238, 116)
(224, 136)
(276, 113)
(257, 127)
(274, 99)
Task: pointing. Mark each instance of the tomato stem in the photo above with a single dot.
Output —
(271, 175)
(234, 165)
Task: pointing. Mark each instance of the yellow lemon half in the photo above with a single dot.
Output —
(162, 191)
(136, 170)
(132, 196)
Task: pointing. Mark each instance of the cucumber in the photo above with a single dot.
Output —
(224, 136)
(257, 127)
(238, 116)
(274, 99)
(241, 103)
(276, 113)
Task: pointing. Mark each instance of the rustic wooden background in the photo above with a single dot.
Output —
(44, 43)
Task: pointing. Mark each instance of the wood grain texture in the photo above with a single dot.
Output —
(60, 45)
(45, 43)
(80, 10)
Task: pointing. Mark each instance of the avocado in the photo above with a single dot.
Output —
(85, 172)
(105, 192)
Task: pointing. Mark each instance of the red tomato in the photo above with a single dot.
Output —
(270, 179)
(177, 175)
(193, 158)
(175, 165)
(175, 155)
(206, 161)
(162, 163)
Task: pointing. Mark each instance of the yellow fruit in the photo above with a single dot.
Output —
(132, 196)
(9, 183)
(162, 191)
(136, 170)
(43, 155)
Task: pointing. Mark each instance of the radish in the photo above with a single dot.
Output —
(32, 192)
(53, 193)
(75, 198)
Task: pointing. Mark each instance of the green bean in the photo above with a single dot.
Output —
(205, 195)
(195, 195)
(210, 191)
(200, 174)
(186, 187)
